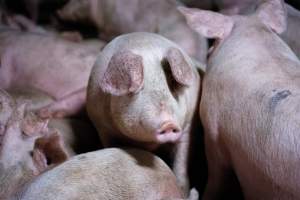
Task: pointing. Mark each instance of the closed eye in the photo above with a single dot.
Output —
(174, 87)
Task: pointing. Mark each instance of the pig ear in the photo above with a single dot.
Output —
(33, 125)
(207, 23)
(273, 14)
(49, 150)
(181, 70)
(124, 74)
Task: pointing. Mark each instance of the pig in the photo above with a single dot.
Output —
(113, 18)
(110, 173)
(53, 65)
(27, 146)
(250, 105)
(143, 92)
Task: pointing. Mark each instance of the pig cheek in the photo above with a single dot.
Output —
(127, 113)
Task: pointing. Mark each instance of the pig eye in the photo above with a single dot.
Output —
(173, 85)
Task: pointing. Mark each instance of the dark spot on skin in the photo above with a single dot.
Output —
(279, 96)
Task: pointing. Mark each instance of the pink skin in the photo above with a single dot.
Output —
(26, 144)
(117, 17)
(250, 104)
(141, 98)
(61, 70)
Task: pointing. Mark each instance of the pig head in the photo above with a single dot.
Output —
(27, 147)
(147, 97)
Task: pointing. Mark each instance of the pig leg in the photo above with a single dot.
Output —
(221, 183)
(180, 165)
(68, 105)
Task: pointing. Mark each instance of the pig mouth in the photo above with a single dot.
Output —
(170, 137)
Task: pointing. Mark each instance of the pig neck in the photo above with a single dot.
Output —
(251, 48)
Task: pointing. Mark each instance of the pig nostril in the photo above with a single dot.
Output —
(167, 128)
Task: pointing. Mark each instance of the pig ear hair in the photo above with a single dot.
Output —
(49, 150)
(273, 14)
(181, 70)
(207, 23)
(124, 74)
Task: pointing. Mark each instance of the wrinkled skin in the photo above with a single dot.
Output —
(143, 91)
(61, 70)
(249, 105)
(290, 35)
(27, 146)
(116, 17)
(106, 174)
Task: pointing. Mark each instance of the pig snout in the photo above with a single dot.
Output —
(168, 132)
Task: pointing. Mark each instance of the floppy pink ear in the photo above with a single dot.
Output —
(124, 74)
(181, 70)
(273, 14)
(33, 125)
(207, 23)
(49, 150)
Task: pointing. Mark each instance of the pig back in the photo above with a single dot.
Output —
(106, 174)
(44, 62)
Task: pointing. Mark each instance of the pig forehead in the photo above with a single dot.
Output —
(142, 43)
